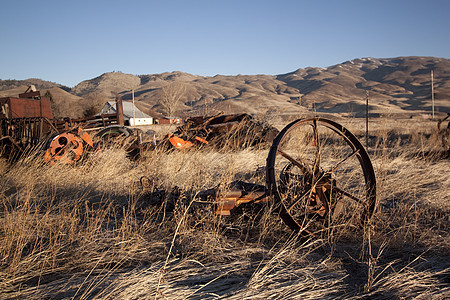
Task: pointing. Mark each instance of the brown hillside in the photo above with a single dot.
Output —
(40, 84)
(66, 104)
(107, 84)
(396, 86)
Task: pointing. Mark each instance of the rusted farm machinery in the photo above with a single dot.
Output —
(320, 174)
(27, 121)
(317, 174)
(233, 131)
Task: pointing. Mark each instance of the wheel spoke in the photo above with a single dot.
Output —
(332, 170)
(297, 163)
(341, 191)
(316, 167)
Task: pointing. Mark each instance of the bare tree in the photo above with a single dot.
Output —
(93, 103)
(55, 108)
(171, 95)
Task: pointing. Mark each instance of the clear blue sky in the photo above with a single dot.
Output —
(71, 41)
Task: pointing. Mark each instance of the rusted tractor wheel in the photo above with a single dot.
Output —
(321, 176)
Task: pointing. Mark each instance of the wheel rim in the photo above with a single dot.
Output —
(320, 176)
(66, 148)
(112, 133)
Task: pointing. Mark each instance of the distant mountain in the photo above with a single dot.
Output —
(107, 84)
(395, 86)
(38, 83)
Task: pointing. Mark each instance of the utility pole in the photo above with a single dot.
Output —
(367, 118)
(432, 94)
(134, 111)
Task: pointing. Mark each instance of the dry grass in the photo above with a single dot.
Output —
(90, 232)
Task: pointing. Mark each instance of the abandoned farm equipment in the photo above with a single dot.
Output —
(27, 121)
(318, 175)
(24, 121)
(233, 131)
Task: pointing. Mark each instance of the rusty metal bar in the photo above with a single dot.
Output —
(119, 110)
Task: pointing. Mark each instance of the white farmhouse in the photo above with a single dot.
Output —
(139, 118)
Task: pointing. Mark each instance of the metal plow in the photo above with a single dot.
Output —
(317, 175)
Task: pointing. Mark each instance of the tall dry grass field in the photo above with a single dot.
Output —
(91, 231)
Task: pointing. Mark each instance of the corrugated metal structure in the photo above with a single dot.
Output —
(28, 105)
(24, 120)
(133, 116)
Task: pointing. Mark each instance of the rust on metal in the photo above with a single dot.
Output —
(306, 184)
(119, 109)
(232, 131)
(28, 120)
(317, 172)
(233, 198)
(28, 105)
(85, 137)
(179, 143)
(303, 168)
(24, 132)
(67, 147)
(201, 140)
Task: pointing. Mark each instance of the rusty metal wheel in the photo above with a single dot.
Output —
(321, 176)
(65, 148)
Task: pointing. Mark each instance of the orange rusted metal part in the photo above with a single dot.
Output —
(225, 131)
(225, 203)
(179, 143)
(201, 140)
(67, 147)
(85, 137)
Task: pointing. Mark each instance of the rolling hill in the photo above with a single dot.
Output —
(394, 85)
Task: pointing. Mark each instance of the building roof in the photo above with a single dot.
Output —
(170, 118)
(110, 108)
